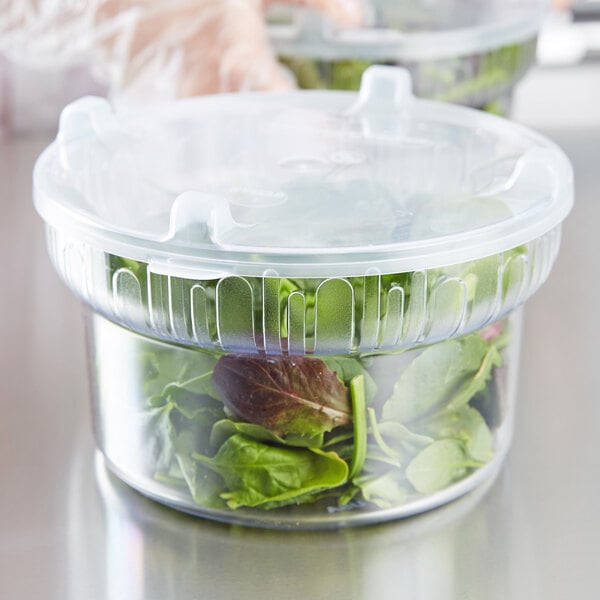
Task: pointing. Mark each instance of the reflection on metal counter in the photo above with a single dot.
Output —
(146, 549)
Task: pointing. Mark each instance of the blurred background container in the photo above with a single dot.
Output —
(471, 52)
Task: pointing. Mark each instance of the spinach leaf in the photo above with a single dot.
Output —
(181, 409)
(201, 409)
(438, 465)
(479, 380)
(384, 490)
(347, 368)
(433, 377)
(204, 485)
(200, 385)
(225, 428)
(174, 365)
(259, 474)
(465, 425)
(396, 439)
(285, 394)
(159, 431)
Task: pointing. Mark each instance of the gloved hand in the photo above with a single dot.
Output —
(158, 49)
(210, 46)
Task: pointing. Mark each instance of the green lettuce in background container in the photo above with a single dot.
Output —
(470, 52)
(303, 308)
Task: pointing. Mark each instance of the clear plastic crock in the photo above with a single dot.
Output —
(469, 52)
(303, 308)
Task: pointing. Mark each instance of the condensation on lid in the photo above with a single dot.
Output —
(301, 184)
(413, 30)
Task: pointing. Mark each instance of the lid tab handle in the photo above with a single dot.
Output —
(534, 169)
(87, 117)
(193, 208)
(384, 102)
(384, 89)
(90, 115)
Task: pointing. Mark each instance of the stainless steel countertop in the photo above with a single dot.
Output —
(69, 530)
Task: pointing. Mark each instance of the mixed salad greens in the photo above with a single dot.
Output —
(265, 430)
(479, 80)
(268, 431)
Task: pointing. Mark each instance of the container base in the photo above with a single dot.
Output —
(334, 520)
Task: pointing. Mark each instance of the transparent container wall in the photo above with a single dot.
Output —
(483, 81)
(304, 441)
(340, 315)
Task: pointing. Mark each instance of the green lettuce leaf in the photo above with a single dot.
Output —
(259, 474)
(225, 428)
(431, 380)
(438, 465)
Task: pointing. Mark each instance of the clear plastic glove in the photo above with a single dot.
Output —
(158, 49)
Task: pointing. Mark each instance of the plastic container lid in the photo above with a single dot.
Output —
(303, 184)
(412, 30)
